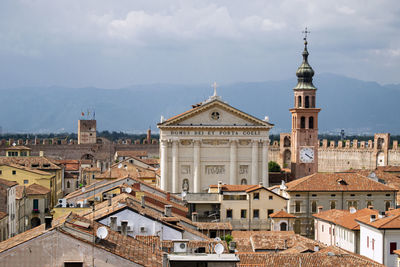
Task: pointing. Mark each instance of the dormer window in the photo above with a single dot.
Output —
(342, 182)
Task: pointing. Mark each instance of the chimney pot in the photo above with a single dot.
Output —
(320, 209)
(143, 203)
(168, 196)
(109, 199)
(124, 228)
(48, 220)
(372, 218)
(194, 216)
(113, 223)
(316, 248)
(168, 210)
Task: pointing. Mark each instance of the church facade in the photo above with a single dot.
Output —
(213, 142)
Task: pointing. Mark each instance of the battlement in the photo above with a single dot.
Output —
(380, 142)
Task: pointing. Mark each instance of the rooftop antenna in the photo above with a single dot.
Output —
(102, 232)
(219, 249)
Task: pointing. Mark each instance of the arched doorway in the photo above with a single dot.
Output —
(35, 221)
(283, 226)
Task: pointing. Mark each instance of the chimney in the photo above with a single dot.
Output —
(136, 186)
(372, 218)
(47, 221)
(219, 186)
(260, 183)
(371, 207)
(316, 248)
(381, 214)
(320, 209)
(168, 196)
(41, 153)
(232, 246)
(124, 228)
(109, 199)
(285, 244)
(113, 223)
(143, 203)
(167, 210)
(194, 216)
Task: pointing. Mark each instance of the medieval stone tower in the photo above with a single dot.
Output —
(304, 140)
(87, 132)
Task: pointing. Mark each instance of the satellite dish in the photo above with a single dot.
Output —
(217, 239)
(83, 190)
(102, 232)
(120, 166)
(183, 194)
(219, 248)
(14, 144)
(128, 190)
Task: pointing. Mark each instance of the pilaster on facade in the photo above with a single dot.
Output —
(196, 166)
(265, 178)
(164, 164)
(175, 165)
(233, 162)
(254, 161)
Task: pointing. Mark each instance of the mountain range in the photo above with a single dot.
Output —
(358, 107)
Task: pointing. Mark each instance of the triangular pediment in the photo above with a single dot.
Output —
(214, 113)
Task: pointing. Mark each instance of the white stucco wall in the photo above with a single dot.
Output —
(322, 232)
(135, 221)
(368, 233)
(345, 238)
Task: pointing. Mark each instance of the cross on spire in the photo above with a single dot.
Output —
(306, 32)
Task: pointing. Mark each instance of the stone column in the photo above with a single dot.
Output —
(164, 164)
(254, 162)
(233, 164)
(175, 166)
(196, 166)
(265, 179)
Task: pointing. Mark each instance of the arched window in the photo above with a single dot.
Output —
(307, 102)
(185, 185)
(243, 181)
(299, 101)
(68, 184)
(286, 141)
(283, 226)
(302, 122)
(313, 101)
(311, 122)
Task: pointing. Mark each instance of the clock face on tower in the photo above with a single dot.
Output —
(307, 154)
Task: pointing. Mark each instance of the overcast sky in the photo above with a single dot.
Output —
(117, 43)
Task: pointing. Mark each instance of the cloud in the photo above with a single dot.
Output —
(115, 43)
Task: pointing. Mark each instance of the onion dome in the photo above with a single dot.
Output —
(305, 73)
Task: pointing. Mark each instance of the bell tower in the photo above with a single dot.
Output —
(304, 143)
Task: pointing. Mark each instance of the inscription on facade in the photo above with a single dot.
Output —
(217, 133)
(215, 169)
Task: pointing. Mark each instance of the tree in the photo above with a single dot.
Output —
(273, 167)
(228, 238)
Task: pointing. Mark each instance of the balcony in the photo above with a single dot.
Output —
(35, 211)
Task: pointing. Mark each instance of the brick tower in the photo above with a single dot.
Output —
(304, 143)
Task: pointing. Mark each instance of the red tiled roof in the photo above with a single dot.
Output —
(36, 189)
(390, 221)
(344, 217)
(281, 214)
(234, 188)
(7, 182)
(320, 182)
(2, 215)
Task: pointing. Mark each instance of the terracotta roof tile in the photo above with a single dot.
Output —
(36, 189)
(7, 182)
(344, 217)
(42, 163)
(2, 215)
(213, 225)
(390, 221)
(234, 188)
(281, 214)
(336, 182)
